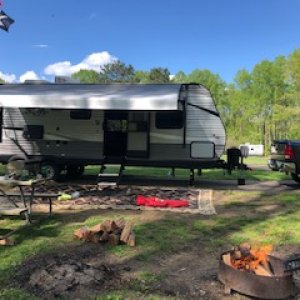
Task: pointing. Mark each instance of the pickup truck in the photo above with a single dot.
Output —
(285, 156)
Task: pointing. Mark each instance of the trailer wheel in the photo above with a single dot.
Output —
(50, 170)
(75, 171)
(15, 165)
(296, 177)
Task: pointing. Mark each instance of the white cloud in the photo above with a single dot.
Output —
(92, 62)
(40, 46)
(29, 75)
(8, 77)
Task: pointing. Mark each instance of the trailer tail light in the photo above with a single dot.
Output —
(289, 152)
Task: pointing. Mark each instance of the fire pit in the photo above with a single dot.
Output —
(275, 284)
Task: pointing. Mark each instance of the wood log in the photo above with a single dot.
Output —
(113, 239)
(7, 242)
(98, 228)
(94, 237)
(82, 233)
(131, 239)
(126, 232)
(227, 259)
(260, 270)
(237, 254)
(104, 237)
(109, 225)
(245, 249)
(105, 226)
(120, 223)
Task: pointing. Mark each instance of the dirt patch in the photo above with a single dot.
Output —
(79, 271)
(86, 270)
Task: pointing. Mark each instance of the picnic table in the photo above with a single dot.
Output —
(25, 192)
(8, 204)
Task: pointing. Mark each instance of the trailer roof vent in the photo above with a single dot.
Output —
(65, 79)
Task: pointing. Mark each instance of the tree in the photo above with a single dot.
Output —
(141, 77)
(86, 76)
(117, 72)
(159, 75)
(181, 77)
(2, 81)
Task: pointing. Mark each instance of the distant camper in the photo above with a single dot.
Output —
(69, 126)
(254, 150)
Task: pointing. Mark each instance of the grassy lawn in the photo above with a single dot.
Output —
(242, 216)
(212, 174)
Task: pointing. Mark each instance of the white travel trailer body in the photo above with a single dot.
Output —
(170, 125)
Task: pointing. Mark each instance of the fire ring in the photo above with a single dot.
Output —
(278, 286)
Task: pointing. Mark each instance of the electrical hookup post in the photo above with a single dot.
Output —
(242, 167)
(235, 161)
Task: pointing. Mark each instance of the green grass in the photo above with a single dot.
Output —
(210, 174)
(260, 220)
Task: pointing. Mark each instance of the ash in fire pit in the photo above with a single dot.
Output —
(59, 278)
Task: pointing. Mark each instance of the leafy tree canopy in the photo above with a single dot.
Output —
(159, 75)
(86, 76)
(117, 72)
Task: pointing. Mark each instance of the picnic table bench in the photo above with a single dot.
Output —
(10, 207)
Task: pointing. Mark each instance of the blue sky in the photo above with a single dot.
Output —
(62, 36)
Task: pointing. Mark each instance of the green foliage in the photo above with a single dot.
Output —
(86, 76)
(141, 77)
(2, 81)
(159, 75)
(116, 72)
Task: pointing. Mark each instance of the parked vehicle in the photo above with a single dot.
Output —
(69, 126)
(285, 156)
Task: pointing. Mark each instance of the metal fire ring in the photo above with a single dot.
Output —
(279, 286)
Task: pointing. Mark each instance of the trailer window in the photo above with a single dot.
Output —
(80, 114)
(169, 120)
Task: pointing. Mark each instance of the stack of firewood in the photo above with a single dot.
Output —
(110, 231)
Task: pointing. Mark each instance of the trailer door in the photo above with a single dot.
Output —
(138, 134)
(115, 133)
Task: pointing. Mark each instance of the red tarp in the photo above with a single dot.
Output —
(156, 202)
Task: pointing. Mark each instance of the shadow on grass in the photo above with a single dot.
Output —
(166, 237)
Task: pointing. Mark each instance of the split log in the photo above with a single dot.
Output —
(114, 239)
(104, 237)
(131, 239)
(260, 270)
(120, 223)
(126, 232)
(7, 242)
(227, 259)
(82, 233)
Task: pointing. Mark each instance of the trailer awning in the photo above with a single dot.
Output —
(84, 96)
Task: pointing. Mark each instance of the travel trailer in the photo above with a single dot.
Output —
(69, 126)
